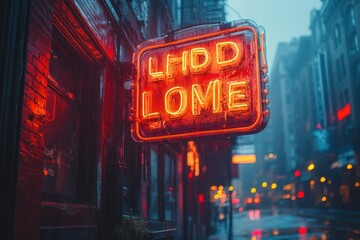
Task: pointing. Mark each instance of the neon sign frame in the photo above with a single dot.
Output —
(147, 124)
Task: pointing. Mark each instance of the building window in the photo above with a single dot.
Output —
(338, 68)
(69, 147)
(353, 45)
(350, 19)
(358, 73)
(343, 66)
(337, 35)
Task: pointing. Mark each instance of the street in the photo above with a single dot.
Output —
(292, 224)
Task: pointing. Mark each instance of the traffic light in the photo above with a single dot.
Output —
(297, 173)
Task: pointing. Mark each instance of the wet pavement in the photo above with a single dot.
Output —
(303, 224)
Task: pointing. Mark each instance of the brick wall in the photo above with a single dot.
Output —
(28, 192)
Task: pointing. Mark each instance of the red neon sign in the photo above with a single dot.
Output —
(206, 84)
(344, 112)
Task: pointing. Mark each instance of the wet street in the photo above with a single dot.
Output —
(291, 224)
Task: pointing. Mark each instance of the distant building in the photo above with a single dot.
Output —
(281, 104)
(202, 11)
(314, 87)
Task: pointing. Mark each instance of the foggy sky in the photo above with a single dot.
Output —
(282, 19)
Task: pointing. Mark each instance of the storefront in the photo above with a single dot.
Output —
(79, 173)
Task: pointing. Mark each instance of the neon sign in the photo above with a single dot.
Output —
(205, 84)
(344, 112)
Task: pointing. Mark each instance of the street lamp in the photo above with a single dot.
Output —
(311, 167)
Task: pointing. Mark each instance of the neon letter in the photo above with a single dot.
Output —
(198, 54)
(201, 100)
(146, 112)
(171, 62)
(221, 58)
(237, 97)
(171, 100)
(184, 63)
(155, 76)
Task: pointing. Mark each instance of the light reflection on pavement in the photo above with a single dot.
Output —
(312, 224)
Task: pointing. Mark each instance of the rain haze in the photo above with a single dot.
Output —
(282, 19)
(157, 119)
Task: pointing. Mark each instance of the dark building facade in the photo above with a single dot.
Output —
(69, 168)
(73, 171)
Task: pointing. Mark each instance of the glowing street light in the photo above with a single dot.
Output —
(311, 167)
(264, 184)
(274, 186)
(253, 190)
(349, 166)
(322, 179)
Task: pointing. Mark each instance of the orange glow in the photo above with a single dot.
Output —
(221, 58)
(344, 112)
(249, 200)
(209, 84)
(190, 159)
(242, 159)
(45, 172)
(169, 99)
(213, 188)
(312, 182)
(286, 196)
(256, 200)
(197, 167)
